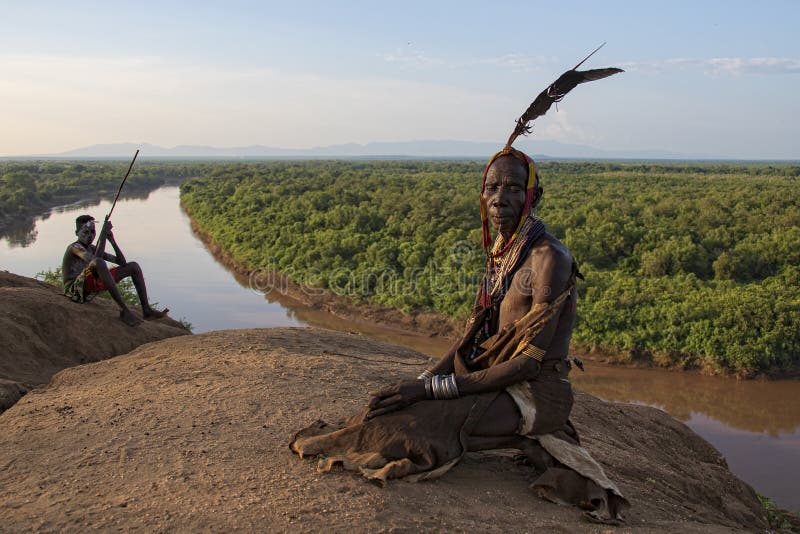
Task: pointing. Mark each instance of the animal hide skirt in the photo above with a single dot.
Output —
(425, 440)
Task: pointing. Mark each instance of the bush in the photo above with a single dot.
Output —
(689, 264)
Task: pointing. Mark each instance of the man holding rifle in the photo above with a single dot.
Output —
(85, 271)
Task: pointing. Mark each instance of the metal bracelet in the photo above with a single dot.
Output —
(428, 388)
(444, 387)
(426, 375)
(436, 387)
(453, 386)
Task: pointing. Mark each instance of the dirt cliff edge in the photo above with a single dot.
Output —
(191, 433)
(43, 332)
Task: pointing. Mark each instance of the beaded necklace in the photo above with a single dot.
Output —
(501, 266)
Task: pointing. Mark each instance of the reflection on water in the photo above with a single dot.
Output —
(755, 424)
(771, 464)
(22, 232)
(180, 272)
(755, 405)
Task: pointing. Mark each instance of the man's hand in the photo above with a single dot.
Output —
(395, 397)
(109, 233)
(119, 257)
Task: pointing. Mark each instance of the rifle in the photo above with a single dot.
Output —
(101, 240)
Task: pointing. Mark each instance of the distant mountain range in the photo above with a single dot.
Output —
(413, 149)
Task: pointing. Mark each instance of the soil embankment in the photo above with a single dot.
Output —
(191, 433)
(42, 332)
(422, 322)
(370, 317)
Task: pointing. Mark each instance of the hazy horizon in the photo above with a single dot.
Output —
(417, 150)
(719, 78)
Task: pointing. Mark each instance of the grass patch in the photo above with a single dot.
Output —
(778, 518)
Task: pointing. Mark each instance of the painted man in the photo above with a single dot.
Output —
(504, 384)
(85, 271)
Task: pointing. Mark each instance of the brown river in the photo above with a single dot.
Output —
(754, 424)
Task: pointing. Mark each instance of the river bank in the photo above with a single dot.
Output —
(720, 293)
(273, 283)
(435, 325)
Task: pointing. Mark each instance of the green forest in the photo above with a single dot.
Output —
(690, 265)
(27, 188)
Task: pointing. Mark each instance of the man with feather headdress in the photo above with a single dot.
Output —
(505, 383)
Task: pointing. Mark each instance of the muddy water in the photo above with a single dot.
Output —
(755, 424)
(180, 272)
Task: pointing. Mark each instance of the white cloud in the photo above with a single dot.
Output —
(721, 66)
(513, 61)
(560, 127)
(757, 65)
(413, 58)
(517, 62)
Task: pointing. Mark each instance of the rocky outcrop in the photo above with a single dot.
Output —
(42, 332)
(191, 433)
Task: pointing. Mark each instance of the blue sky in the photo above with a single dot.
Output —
(721, 78)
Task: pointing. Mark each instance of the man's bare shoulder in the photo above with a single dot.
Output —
(551, 264)
(80, 250)
(552, 252)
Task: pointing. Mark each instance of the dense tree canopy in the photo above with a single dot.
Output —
(687, 264)
(28, 187)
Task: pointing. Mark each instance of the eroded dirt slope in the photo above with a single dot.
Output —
(43, 332)
(192, 433)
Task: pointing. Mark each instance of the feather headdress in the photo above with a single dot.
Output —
(555, 92)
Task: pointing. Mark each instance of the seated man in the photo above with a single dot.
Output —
(504, 384)
(85, 272)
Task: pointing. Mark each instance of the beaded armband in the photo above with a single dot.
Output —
(532, 351)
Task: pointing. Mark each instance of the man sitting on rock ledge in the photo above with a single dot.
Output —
(504, 384)
(85, 272)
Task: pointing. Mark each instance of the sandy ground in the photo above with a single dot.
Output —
(43, 332)
(191, 434)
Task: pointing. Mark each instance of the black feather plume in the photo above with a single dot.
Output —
(555, 92)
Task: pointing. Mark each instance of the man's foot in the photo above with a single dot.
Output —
(149, 314)
(536, 455)
(129, 318)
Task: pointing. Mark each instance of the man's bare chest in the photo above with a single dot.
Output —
(519, 298)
